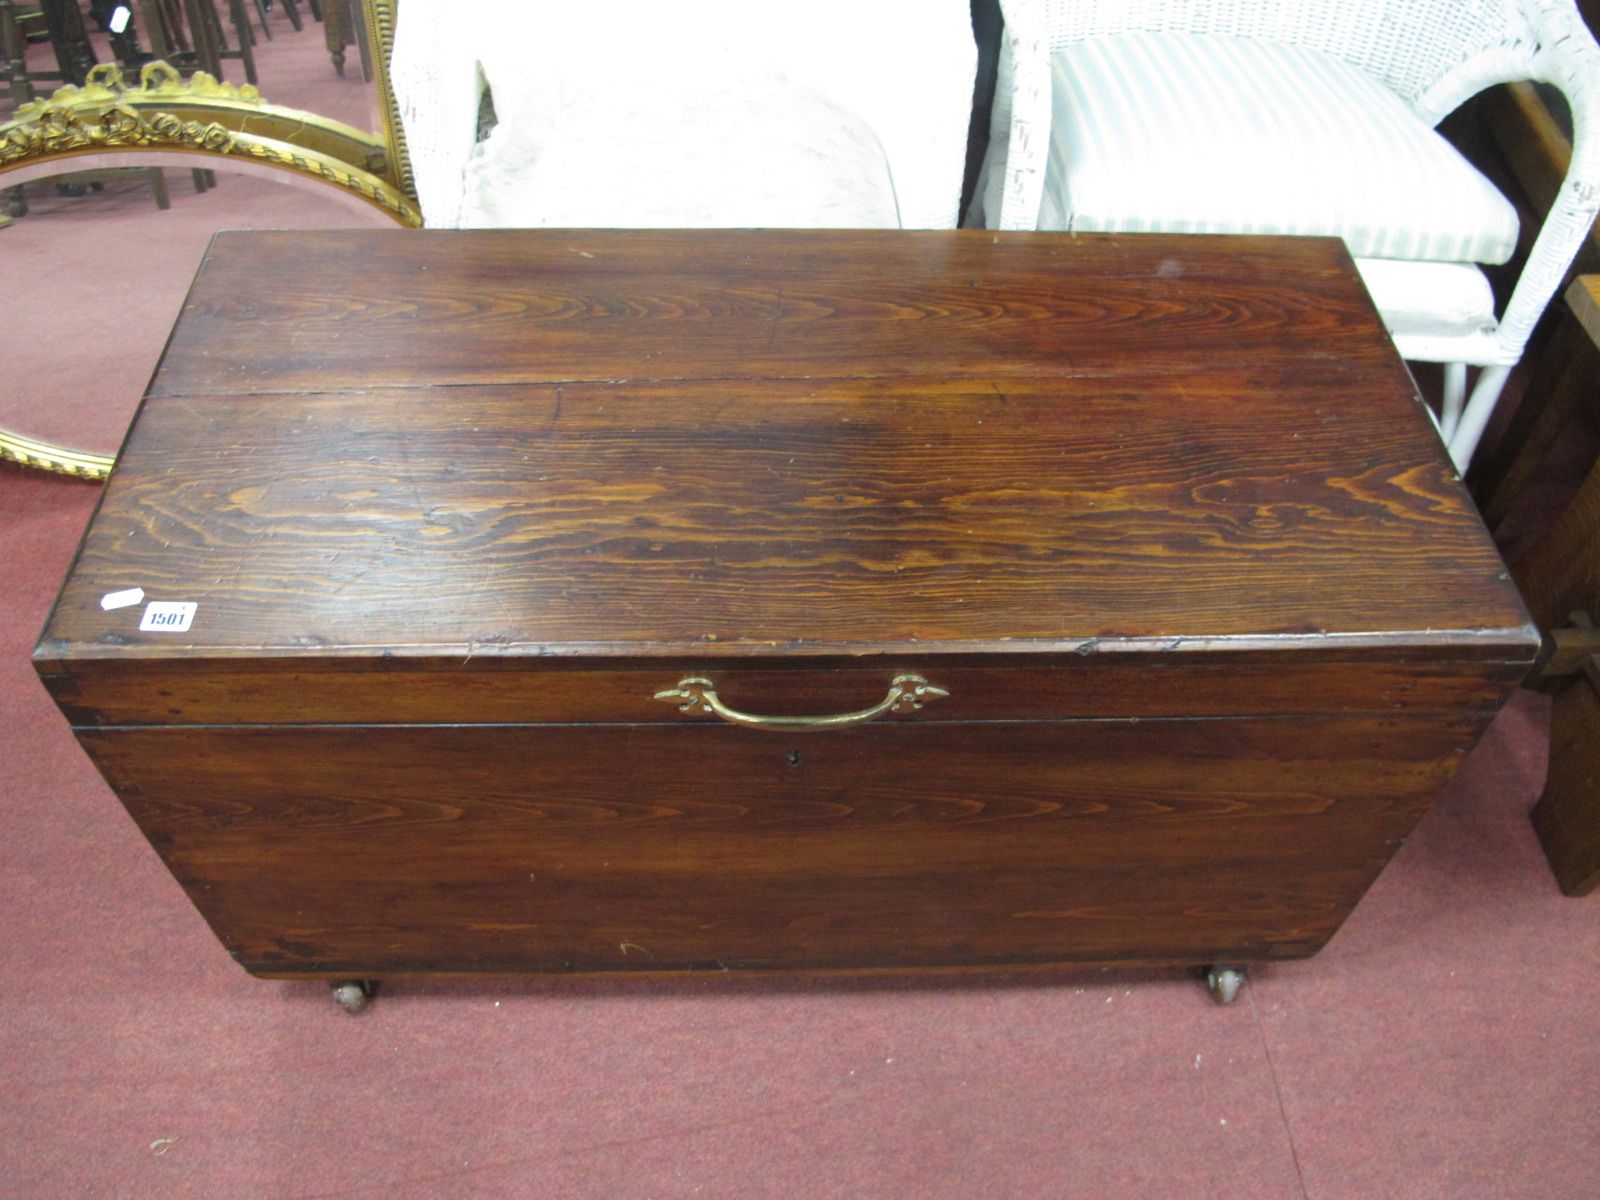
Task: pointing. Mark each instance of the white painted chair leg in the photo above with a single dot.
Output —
(1475, 417)
(1455, 395)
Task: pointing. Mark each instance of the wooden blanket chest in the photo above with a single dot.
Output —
(597, 601)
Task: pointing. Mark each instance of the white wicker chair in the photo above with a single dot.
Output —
(897, 74)
(1432, 54)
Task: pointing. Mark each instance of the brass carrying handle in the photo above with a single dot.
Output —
(699, 696)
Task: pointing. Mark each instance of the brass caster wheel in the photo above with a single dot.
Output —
(353, 995)
(1224, 983)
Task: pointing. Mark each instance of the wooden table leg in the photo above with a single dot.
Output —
(247, 39)
(155, 28)
(1567, 816)
(1561, 574)
(74, 53)
(338, 31)
(205, 36)
(1560, 580)
(1559, 382)
(15, 51)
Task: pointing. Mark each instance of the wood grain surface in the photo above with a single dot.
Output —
(476, 848)
(361, 443)
(507, 689)
(1567, 817)
(296, 311)
(807, 518)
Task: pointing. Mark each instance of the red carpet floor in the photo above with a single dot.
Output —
(1446, 1045)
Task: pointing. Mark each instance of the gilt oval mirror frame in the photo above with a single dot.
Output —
(164, 120)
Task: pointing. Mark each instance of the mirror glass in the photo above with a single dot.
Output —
(93, 283)
(94, 272)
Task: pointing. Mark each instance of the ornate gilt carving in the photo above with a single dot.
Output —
(95, 117)
(200, 114)
(380, 21)
(60, 459)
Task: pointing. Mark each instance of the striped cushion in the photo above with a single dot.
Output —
(1194, 133)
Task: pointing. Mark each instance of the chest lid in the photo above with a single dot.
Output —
(588, 449)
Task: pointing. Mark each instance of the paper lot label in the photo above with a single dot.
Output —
(168, 616)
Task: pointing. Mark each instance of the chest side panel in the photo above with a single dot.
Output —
(650, 847)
